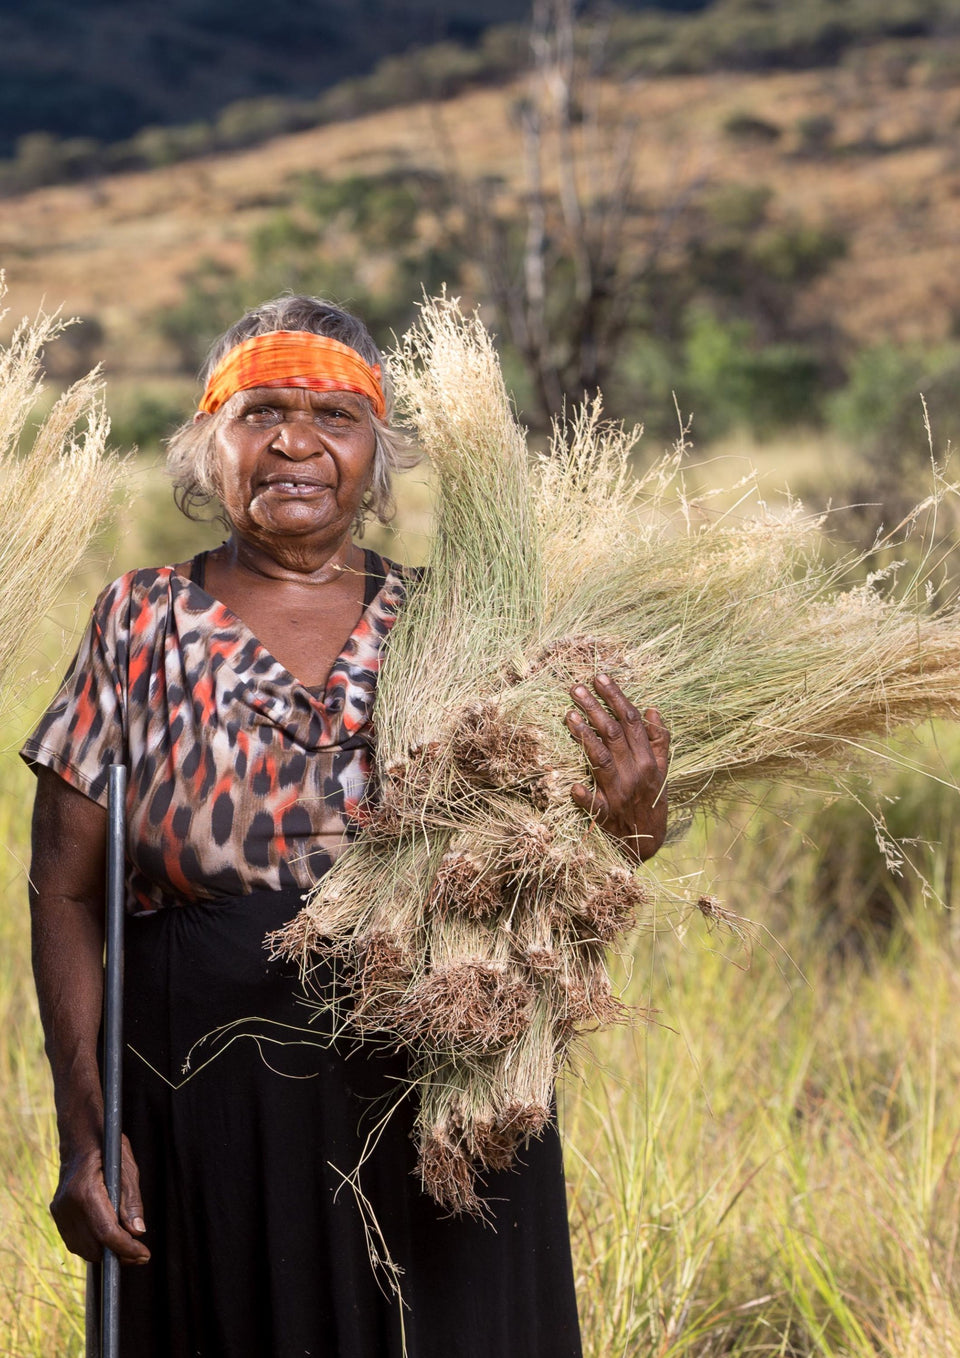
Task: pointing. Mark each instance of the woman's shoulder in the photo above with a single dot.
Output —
(387, 568)
(144, 589)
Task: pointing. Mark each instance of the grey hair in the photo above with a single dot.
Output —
(191, 450)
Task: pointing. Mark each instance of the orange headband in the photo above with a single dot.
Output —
(293, 358)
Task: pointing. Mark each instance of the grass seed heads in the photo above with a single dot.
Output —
(54, 494)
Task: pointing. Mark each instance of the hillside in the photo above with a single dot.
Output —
(105, 69)
(96, 87)
(887, 175)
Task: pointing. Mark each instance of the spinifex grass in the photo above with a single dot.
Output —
(53, 497)
(469, 921)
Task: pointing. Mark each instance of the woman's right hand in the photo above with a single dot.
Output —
(83, 1213)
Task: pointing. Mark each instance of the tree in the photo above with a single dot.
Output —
(566, 277)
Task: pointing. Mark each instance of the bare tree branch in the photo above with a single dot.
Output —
(566, 307)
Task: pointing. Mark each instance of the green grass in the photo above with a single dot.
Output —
(40, 1283)
(770, 1165)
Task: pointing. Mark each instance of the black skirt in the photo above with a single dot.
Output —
(259, 1247)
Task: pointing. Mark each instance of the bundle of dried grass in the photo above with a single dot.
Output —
(53, 497)
(470, 921)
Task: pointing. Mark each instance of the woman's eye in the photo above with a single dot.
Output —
(261, 415)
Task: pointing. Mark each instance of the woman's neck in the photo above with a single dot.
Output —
(298, 562)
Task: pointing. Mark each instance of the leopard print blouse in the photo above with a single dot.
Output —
(235, 768)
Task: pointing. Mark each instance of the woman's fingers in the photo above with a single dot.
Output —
(85, 1217)
(628, 754)
(619, 739)
(131, 1203)
(600, 757)
(658, 736)
(628, 719)
(591, 800)
(606, 726)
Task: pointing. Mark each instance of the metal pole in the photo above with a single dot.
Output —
(92, 1317)
(113, 1048)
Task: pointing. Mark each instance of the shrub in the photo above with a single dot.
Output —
(867, 874)
(815, 134)
(248, 121)
(381, 209)
(731, 380)
(749, 128)
(880, 408)
(643, 384)
(212, 299)
(151, 148)
(738, 207)
(376, 261)
(799, 252)
(76, 350)
(145, 420)
(45, 159)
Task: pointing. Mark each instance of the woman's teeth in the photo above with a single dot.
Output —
(296, 487)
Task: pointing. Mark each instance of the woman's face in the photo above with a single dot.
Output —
(294, 463)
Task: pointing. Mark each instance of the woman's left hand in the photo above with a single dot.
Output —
(627, 753)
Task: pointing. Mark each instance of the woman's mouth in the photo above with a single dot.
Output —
(294, 486)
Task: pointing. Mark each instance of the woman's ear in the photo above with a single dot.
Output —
(200, 416)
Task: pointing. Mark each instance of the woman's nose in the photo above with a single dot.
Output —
(298, 438)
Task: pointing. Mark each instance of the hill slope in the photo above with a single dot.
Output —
(106, 68)
(103, 68)
(889, 179)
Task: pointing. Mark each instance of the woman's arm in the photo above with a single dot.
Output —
(628, 754)
(67, 910)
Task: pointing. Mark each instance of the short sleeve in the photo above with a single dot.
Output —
(83, 731)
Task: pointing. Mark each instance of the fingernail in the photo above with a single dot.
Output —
(580, 691)
(139, 1224)
(603, 678)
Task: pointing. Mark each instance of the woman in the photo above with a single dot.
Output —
(238, 689)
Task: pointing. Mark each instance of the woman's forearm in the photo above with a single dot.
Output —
(67, 875)
(68, 970)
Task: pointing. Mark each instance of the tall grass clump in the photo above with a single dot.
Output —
(56, 486)
(470, 922)
(771, 1167)
(41, 1286)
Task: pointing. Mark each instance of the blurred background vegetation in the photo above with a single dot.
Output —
(742, 210)
(743, 204)
(112, 84)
